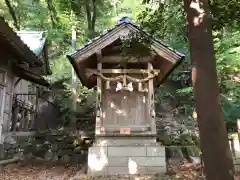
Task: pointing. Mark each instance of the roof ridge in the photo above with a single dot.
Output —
(124, 19)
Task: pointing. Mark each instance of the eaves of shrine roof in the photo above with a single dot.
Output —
(122, 23)
(35, 40)
(165, 59)
(15, 50)
(12, 41)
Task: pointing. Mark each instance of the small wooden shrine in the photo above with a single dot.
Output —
(125, 70)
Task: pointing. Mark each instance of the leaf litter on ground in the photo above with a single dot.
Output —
(46, 171)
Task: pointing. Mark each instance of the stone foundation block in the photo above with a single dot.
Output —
(122, 151)
(126, 160)
(124, 141)
(155, 151)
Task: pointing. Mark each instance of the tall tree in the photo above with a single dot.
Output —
(213, 135)
(90, 7)
(53, 13)
(13, 14)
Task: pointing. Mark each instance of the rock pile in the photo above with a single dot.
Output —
(56, 146)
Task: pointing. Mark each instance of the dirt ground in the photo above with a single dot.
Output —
(44, 171)
(37, 171)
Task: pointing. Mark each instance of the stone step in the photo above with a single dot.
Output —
(123, 170)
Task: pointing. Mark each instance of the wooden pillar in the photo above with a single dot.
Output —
(22, 119)
(32, 121)
(108, 85)
(238, 130)
(232, 147)
(2, 101)
(99, 122)
(16, 109)
(27, 120)
(34, 124)
(151, 107)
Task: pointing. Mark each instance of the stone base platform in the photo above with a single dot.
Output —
(126, 159)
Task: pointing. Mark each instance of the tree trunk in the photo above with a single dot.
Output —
(213, 135)
(88, 14)
(93, 15)
(90, 7)
(13, 14)
(53, 13)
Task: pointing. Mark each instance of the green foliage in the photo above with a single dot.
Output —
(164, 20)
(184, 91)
(57, 18)
(227, 46)
(61, 68)
(167, 23)
(126, 8)
(231, 9)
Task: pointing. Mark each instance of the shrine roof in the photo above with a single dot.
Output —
(17, 50)
(13, 42)
(123, 20)
(167, 58)
(35, 40)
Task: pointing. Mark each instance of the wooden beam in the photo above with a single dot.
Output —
(17, 81)
(151, 107)
(101, 43)
(29, 76)
(2, 101)
(14, 116)
(119, 59)
(99, 56)
(20, 133)
(121, 71)
(99, 94)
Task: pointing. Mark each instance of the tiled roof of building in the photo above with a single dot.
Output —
(33, 39)
(12, 38)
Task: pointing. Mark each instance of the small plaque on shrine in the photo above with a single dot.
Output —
(125, 131)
